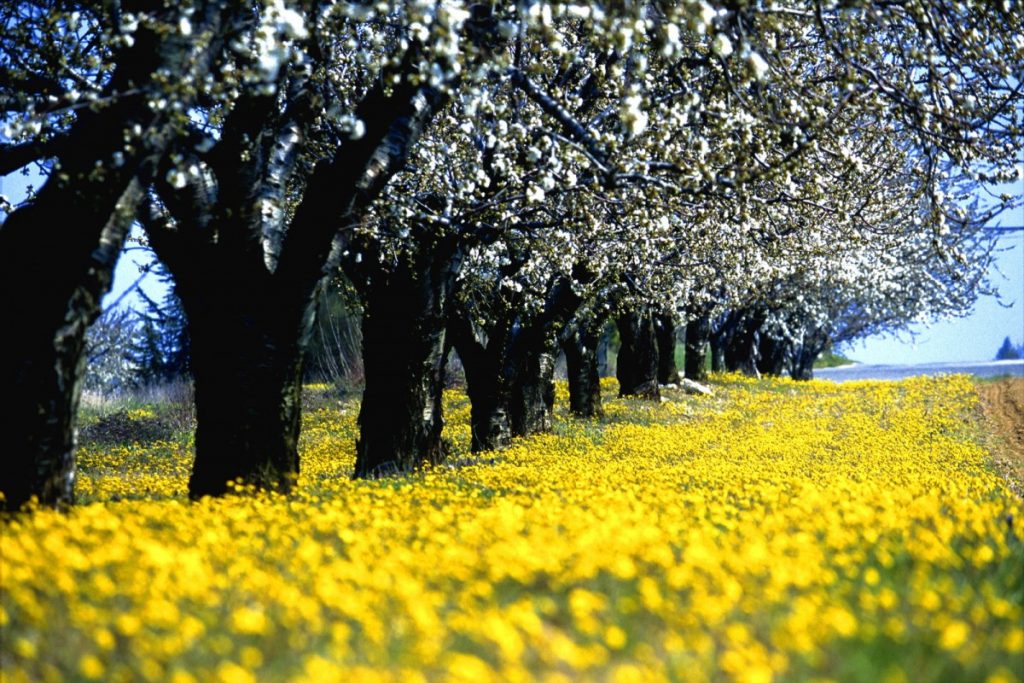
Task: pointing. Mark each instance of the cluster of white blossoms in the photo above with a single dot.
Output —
(687, 152)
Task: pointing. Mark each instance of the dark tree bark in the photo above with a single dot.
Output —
(665, 334)
(509, 365)
(530, 373)
(581, 342)
(247, 368)
(802, 355)
(404, 356)
(60, 252)
(771, 355)
(602, 350)
(717, 343)
(480, 353)
(698, 332)
(637, 364)
(529, 364)
(741, 338)
(802, 365)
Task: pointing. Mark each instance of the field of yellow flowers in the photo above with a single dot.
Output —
(775, 531)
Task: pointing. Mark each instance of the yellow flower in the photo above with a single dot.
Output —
(249, 620)
(229, 672)
(954, 635)
(90, 666)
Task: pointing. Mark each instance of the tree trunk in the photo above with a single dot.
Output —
(581, 346)
(247, 365)
(404, 356)
(530, 373)
(803, 355)
(698, 330)
(488, 393)
(741, 343)
(717, 342)
(510, 365)
(59, 254)
(637, 364)
(223, 241)
(602, 350)
(665, 335)
(771, 355)
(802, 366)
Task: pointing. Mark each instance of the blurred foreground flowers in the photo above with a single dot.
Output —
(774, 532)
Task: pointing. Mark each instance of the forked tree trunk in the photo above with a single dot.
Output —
(404, 357)
(529, 358)
(247, 367)
(698, 331)
(510, 366)
(665, 334)
(637, 364)
(581, 346)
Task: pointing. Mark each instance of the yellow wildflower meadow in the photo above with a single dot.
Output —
(774, 532)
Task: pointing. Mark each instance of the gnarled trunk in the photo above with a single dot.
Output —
(404, 357)
(698, 332)
(637, 364)
(581, 344)
(665, 335)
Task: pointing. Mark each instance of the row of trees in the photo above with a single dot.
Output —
(497, 178)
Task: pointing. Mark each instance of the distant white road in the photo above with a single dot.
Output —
(980, 369)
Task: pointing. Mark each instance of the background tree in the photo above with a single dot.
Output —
(1008, 351)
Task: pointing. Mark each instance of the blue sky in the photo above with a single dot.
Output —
(974, 337)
